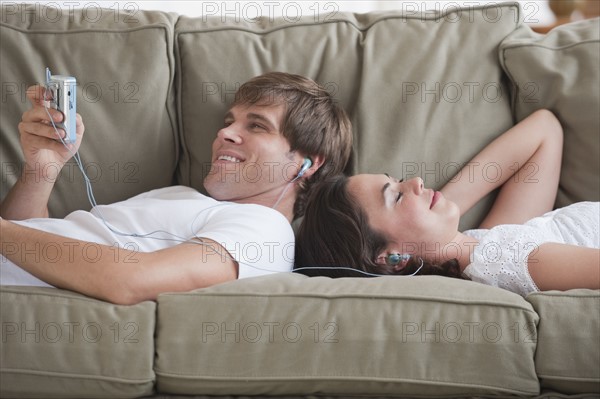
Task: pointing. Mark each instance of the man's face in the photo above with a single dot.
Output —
(251, 159)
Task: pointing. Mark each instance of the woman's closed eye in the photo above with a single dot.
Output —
(399, 196)
(389, 187)
(399, 192)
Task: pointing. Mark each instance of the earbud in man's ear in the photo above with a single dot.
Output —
(305, 166)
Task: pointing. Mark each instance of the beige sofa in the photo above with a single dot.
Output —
(425, 93)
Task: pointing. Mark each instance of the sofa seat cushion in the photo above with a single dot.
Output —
(425, 91)
(560, 71)
(568, 355)
(290, 334)
(56, 343)
(124, 66)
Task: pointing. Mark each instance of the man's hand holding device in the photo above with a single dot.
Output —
(50, 133)
(61, 95)
(51, 130)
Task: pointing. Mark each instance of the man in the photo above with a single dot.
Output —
(176, 239)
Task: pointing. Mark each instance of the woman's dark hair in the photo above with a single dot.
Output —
(336, 234)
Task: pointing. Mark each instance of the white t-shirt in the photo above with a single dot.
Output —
(260, 239)
(500, 258)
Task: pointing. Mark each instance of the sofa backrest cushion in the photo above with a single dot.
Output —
(560, 71)
(404, 336)
(124, 66)
(58, 344)
(425, 90)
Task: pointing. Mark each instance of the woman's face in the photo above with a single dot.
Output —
(414, 219)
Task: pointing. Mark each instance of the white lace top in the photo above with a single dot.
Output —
(500, 258)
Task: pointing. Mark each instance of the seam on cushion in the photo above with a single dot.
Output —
(546, 47)
(84, 30)
(184, 147)
(171, 86)
(41, 294)
(275, 29)
(569, 378)
(349, 22)
(341, 377)
(78, 376)
(177, 87)
(357, 296)
(516, 90)
(61, 295)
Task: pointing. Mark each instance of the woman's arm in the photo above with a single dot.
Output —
(562, 267)
(524, 161)
(114, 274)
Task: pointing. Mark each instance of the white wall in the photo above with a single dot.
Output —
(535, 11)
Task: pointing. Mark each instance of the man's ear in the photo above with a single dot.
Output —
(317, 162)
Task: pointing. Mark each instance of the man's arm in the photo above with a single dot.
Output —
(524, 161)
(562, 267)
(44, 157)
(116, 275)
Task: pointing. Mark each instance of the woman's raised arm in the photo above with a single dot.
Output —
(524, 161)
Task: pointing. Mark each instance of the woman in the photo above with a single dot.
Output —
(376, 224)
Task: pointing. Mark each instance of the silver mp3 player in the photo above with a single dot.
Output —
(64, 99)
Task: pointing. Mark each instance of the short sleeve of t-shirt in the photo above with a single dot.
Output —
(500, 258)
(260, 239)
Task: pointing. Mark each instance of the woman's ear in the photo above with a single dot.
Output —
(381, 259)
(393, 258)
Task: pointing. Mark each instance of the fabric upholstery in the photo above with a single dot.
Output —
(124, 96)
